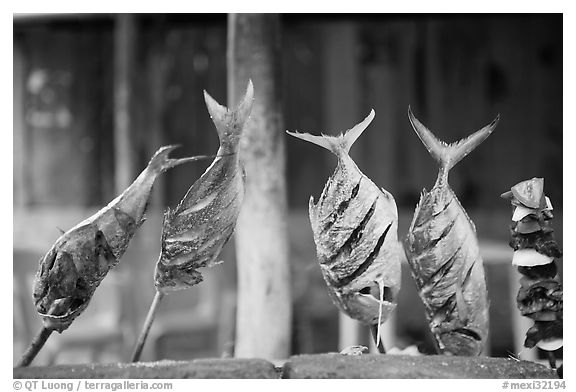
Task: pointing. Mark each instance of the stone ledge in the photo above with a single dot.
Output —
(303, 366)
(405, 366)
(199, 368)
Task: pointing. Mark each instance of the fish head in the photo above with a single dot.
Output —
(368, 305)
(68, 275)
(464, 341)
(63, 312)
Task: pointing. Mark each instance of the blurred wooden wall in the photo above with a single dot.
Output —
(457, 72)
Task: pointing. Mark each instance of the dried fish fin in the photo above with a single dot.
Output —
(160, 161)
(126, 221)
(461, 304)
(448, 155)
(104, 254)
(213, 263)
(340, 144)
(229, 123)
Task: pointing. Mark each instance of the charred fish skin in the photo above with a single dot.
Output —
(72, 269)
(443, 253)
(354, 224)
(195, 232)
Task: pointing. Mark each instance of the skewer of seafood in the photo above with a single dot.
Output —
(443, 253)
(355, 225)
(195, 232)
(540, 296)
(79, 260)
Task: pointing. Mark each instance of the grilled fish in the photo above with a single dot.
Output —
(443, 253)
(355, 224)
(195, 232)
(72, 269)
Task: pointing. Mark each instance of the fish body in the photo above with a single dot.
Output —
(195, 232)
(444, 256)
(72, 269)
(354, 224)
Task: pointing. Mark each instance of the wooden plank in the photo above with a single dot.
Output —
(264, 300)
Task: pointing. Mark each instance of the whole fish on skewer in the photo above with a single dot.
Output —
(355, 224)
(443, 253)
(73, 268)
(195, 232)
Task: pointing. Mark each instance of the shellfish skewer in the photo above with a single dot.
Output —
(146, 328)
(35, 347)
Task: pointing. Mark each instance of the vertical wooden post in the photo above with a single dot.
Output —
(124, 151)
(125, 164)
(264, 300)
(350, 332)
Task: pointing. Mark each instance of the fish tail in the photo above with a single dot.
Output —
(337, 144)
(448, 155)
(229, 123)
(160, 161)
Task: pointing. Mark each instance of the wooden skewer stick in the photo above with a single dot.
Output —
(35, 347)
(146, 328)
(376, 328)
(377, 339)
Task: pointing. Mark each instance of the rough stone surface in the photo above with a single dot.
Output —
(403, 366)
(304, 366)
(200, 368)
